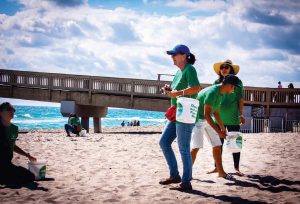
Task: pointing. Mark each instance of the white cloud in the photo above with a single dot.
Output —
(201, 5)
(124, 43)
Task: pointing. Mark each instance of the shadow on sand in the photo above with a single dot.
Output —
(263, 183)
(34, 186)
(269, 183)
(223, 198)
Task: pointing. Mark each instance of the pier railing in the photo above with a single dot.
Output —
(134, 87)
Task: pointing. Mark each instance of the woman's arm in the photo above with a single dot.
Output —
(218, 119)
(185, 92)
(210, 121)
(241, 108)
(21, 152)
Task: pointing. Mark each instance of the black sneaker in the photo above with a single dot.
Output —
(170, 180)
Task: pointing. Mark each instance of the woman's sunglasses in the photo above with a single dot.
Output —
(224, 67)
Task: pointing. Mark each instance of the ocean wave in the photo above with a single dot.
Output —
(36, 121)
(27, 115)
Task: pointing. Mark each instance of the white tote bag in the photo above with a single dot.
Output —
(234, 142)
(187, 109)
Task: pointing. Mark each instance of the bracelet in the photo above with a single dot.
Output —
(241, 116)
(183, 92)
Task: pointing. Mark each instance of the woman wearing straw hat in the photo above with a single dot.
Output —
(231, 109)
(185, 82)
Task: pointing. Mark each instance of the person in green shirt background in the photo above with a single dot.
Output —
(210, 100)
(74, 125)
(231, 109)
(185, 83)
(9, 173)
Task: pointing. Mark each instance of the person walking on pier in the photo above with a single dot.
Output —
(210, 100)
(186, 83)
(231, 109)
(291, 94)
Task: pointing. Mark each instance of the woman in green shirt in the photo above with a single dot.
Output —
(231, 109)
(9, 173)
(186, 83)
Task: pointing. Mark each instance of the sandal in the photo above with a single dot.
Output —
(170, 180)
(228, 177)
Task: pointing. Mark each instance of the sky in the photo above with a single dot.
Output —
(130, 38)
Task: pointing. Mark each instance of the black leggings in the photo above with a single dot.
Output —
(236, 156)
(11, 174)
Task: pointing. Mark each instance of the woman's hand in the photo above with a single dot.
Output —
(242, 119)
(166, 88)
(222, 133)
(31, 158)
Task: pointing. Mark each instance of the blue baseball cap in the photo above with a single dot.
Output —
(179, 49)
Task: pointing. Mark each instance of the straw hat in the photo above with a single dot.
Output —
(217, 66)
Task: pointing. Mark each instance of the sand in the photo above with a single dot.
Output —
(124, 165)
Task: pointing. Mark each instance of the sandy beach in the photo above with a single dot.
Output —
(124, 165)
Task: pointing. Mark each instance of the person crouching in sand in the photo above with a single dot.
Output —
(9, 173)
(73, 125)
(210, 100)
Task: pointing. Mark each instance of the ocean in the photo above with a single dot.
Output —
(41, 117)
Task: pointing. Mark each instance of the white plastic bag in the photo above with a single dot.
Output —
(234, 142)
(38, 168)
(82, 133)
(187, 109)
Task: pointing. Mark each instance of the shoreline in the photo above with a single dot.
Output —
(138, 129)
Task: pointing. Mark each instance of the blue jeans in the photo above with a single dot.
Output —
(70, 128)
(183, 132)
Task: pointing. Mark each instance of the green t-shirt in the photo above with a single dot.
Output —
(7, 142)
(183, 79)
(209, 96)
(74, 121)
(229, 110)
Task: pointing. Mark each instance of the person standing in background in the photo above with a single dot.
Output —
(291, 95)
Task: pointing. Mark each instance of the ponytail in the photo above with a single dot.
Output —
(191, 59)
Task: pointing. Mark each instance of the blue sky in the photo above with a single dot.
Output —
(10, 7)
(129, 38)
